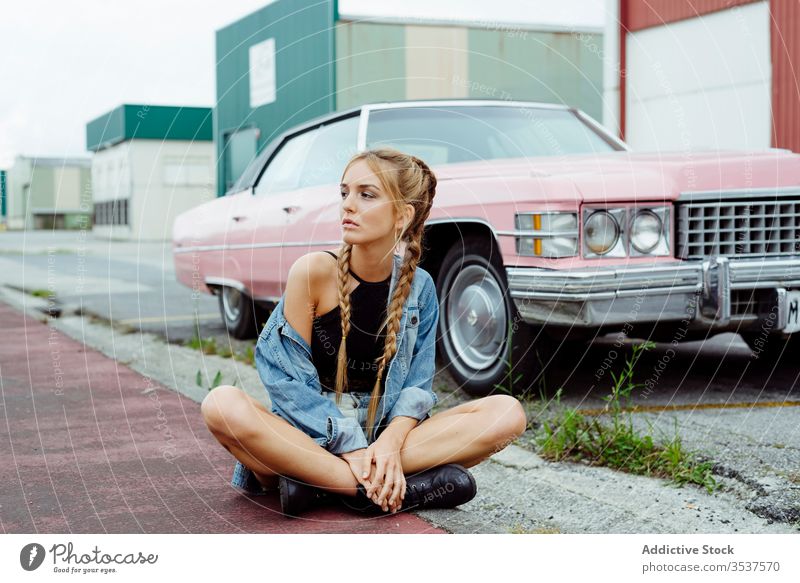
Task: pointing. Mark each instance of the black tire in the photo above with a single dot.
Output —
(240, 314)
(474, 304)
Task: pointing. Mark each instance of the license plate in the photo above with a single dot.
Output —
(792, 312)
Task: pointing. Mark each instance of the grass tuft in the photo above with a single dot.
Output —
(217, 381)
(247, 356)
(571, 436)
(207, 346)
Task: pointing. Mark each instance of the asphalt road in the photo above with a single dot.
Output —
(131, 285)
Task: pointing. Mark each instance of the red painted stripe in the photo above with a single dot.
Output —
(641, 14)
(85, 451)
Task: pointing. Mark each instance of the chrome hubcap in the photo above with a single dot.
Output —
(232, 303)
(477, 317)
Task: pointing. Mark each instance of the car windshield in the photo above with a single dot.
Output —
(444, 135)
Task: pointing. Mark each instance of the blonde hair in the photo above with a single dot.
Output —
(408, 180)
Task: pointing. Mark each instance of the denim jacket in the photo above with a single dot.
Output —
(283, 360)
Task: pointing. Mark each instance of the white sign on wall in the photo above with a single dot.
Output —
(262, 73)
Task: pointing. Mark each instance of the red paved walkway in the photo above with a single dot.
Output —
(86, 448)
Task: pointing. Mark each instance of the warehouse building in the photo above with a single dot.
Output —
(49, 193)
(687, 75)
(293, 60)
(150, 164)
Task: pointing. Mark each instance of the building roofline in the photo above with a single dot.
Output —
(130, 121)
(54, 161)
(499, 26)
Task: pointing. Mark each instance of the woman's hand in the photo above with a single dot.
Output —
(382, 468)
(356, 461)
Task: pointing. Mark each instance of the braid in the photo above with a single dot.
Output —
(344, 308)
(392, 323)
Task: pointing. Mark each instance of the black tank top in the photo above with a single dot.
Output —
(364, 344)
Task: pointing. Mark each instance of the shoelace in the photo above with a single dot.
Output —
(416, 492)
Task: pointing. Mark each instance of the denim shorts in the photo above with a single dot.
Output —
(353, 405)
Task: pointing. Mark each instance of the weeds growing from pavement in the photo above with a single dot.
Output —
(247, 357)
(572, 436)
(509, 380)
(214, 383)
(509, 385)
(209, 346)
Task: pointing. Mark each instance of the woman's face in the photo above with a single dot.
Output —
(366, 204)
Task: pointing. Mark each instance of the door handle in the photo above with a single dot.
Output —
(240, 218)
(291, 209)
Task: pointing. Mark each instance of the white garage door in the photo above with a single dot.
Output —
(702, 83)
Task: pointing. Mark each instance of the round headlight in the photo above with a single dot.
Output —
(645, 231)
(601, 232)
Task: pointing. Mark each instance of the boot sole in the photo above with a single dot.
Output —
(284, 496)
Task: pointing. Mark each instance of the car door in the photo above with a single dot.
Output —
(302, 195)
(260, 216)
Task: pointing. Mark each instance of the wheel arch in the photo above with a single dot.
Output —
(440, 235)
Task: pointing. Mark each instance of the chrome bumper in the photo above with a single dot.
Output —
(698, 291)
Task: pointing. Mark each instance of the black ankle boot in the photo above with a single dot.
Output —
(444, 486)
(297, 497)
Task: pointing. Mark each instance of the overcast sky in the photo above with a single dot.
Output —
(65, 62)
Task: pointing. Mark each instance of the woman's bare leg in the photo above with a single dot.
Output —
(466, 434)
(269, 445)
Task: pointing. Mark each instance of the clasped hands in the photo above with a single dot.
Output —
(379, 470)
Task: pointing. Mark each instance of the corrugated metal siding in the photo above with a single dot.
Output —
(785, 49)
(435, 56)
(637, 15)
(304, 71)
(3, 195)
(106, 130)
(148, 122)
(552, 67)
(370, 63)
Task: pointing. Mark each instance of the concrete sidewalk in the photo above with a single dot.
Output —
(88, 446)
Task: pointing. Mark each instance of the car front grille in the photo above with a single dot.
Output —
(757, 227)
(751, 302)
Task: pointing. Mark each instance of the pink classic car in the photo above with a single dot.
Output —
(546, 231)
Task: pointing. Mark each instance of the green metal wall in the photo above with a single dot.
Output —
(371, 63)
(304, 73)
(148, 122)
(3, 194)
(554, 67)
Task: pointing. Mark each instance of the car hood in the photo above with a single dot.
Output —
(637, 176)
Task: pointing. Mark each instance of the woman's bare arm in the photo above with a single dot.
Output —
(301, 297)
